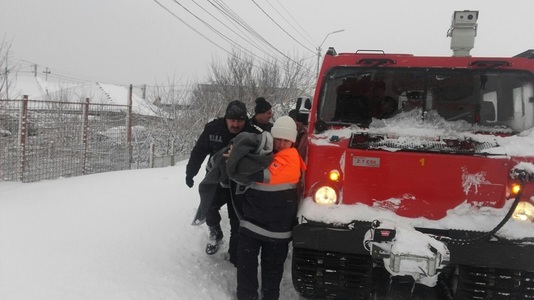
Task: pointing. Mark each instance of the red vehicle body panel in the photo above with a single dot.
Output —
(436, 182)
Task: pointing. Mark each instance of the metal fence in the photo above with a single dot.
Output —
(50, 139)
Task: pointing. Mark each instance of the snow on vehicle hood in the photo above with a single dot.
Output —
(463, 217)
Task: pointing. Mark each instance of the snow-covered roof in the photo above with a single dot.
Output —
(37, 88)
(117, 94)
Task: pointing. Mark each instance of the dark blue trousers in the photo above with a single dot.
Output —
(273, 256)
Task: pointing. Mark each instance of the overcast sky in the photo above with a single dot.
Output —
(159, 41)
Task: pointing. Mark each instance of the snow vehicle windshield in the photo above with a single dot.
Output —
(493, 101)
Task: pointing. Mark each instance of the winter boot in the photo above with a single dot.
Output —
(215, 238)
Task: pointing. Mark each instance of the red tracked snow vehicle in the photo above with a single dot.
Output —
(420, 176)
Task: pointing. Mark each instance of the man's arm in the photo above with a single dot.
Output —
(198, 154)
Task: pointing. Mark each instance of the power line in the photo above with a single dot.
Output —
(224, 9)
(254, 1)
(229, 40)
(239, 28)
(61, 75)
(64, 74)
(237, 20)
(190, 27)
(220, 34)
(308, 38)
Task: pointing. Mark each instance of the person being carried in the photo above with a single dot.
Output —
(216, 135)
(269, 212)
(263, 113)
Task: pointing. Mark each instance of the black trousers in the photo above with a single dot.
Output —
(273, 256)
(213, 218)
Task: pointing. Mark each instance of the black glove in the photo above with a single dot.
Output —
(189, 181)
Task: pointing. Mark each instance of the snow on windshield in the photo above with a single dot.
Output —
(410, 127)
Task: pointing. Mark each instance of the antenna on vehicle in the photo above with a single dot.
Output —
(463, 31)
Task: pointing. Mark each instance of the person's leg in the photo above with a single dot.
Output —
(234, 240)
(273, 256)
(213, 216)
(234, 202)
(248, 250)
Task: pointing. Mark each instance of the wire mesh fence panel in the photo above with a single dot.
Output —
(108, 148)
(9, 146)
(50, 139)
(53, 144)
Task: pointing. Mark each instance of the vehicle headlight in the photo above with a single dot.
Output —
(524, 212)
(325, 195)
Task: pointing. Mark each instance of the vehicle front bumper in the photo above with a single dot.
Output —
(490, 252)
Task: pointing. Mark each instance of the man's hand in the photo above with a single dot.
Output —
(189, 181)
(227, 154)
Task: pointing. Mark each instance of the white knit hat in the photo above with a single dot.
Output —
(285, 128)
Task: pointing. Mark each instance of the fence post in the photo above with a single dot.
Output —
(85, 126)
(173, 154)
(129, 128)
(152, 155)
(23, 132)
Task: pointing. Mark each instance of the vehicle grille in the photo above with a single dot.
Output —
(332, 275)
(488, 283)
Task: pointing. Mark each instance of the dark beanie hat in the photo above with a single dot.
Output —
(236, 110)
(261, 105)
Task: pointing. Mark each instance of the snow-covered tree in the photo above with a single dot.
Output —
(5, 69)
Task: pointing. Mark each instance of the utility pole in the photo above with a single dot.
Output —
(319, 48)
(47, 71)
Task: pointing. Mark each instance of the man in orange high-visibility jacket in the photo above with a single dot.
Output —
(269, 213)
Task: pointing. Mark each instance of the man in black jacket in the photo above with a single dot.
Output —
(217, 134)
(263, 113)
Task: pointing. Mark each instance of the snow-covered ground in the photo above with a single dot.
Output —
(128, 235)
(118, 235)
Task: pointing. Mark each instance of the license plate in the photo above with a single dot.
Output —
(363, 161)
